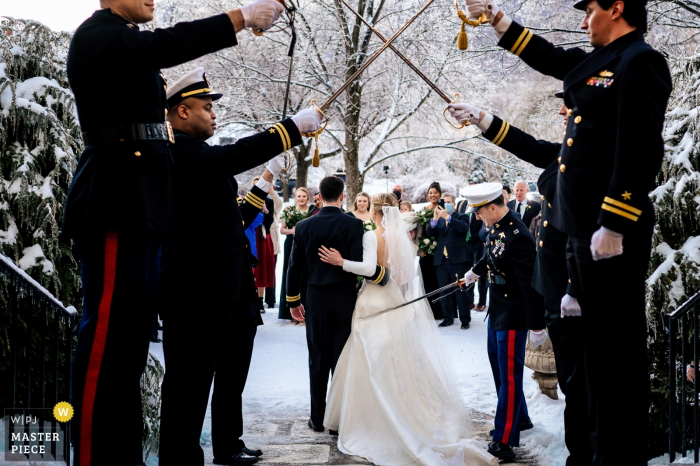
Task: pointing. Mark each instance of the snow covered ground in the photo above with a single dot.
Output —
(278, 381)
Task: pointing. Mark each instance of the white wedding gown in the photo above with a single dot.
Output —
(393, 396)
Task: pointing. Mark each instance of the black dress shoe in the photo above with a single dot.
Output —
(501, 451)
(526, 425)
(465, 326)
(239, 459)
(445, 324)
(333, 432)
(314, 428)
(254, 453)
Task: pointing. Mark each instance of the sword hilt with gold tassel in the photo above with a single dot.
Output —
(316, 161)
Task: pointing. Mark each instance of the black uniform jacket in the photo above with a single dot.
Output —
(452, 236)
(613, 147)
(209, 258)
(333, 229)
(114, 72)
(550, 277)
(509, 263)
(530, 213)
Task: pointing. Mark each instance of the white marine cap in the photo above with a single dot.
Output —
(193, 84)
(481, 194)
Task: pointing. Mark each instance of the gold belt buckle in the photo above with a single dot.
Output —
(171, 135)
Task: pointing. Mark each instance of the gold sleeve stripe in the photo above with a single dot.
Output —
(381, 276)
(294, 298)
(498, 140)
(622, 213)
(284, 135)
(524, 44)
(255, 200)
(503, 126)
(520, 39)
(622, 205)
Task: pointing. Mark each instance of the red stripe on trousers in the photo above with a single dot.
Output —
(98, 347)
(511, 386)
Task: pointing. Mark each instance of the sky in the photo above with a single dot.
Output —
(64, 15)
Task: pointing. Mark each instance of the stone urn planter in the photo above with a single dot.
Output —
(541, 360)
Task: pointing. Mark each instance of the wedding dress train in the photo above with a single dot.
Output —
(393, 396)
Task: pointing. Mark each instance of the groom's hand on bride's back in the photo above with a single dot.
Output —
(298, 312)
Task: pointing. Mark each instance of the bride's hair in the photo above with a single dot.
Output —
(383, 199)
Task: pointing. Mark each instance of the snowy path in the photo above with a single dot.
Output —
(276, 398)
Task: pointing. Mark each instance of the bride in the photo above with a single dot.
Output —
(393, 397)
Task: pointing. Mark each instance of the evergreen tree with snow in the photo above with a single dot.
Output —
(40, 141)
(674, 273)
(477, 171)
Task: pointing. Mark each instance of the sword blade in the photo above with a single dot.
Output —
(401, 56)
(369, 61)
(427, 295)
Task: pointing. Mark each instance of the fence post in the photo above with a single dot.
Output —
(671, 392)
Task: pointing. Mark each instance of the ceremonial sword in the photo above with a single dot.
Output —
(432, 85)
(316, 160)
(459, 283)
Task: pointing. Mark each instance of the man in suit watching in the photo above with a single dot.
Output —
(527, 209)
(450, 229)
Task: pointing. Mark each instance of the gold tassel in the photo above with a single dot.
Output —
(462, 40)
(316, 162)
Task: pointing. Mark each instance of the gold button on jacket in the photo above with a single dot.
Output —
(577, 120)
(562, 168)
(570, 142)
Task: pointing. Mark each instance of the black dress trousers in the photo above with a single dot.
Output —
(611, 294)
(567, 340)
(329, 311)
(228, 334)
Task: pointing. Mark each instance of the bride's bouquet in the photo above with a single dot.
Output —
(369, 225)
(292, 216)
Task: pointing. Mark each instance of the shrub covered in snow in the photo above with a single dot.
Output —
(674, 273)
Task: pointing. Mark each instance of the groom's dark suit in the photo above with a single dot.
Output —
(331, 295)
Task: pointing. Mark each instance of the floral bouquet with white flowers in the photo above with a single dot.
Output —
(292, 216)
(427, 245)
(369, 225)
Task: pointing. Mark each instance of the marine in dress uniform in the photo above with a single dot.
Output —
(514, 309)
(550, 277)
(120, 206)
(617, 97)
(207, 289)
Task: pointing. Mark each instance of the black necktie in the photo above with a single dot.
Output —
(518, 209)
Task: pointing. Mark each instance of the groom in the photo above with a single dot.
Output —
(331, 295)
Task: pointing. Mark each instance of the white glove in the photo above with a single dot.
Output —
(276, 165)
(605, 244)
(308, 120)
(537, 338)
(570, 306)
(262, 14)
(476, 7)
(469, 278)
(468, 113)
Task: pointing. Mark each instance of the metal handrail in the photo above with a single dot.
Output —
(66, 319)
(680, 316)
